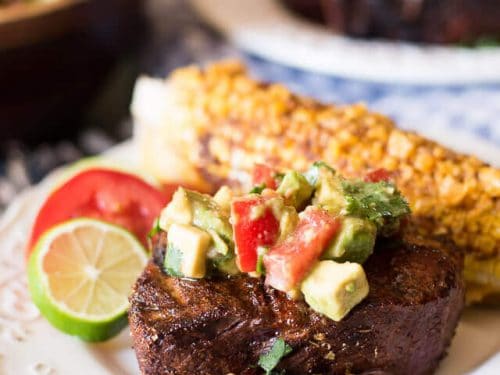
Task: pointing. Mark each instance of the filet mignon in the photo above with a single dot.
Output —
(222, 325)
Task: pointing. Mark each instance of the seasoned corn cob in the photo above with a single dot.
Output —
(208, 128)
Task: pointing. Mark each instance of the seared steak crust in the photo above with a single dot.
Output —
(222, 325)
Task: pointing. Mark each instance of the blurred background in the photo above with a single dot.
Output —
(67, 67)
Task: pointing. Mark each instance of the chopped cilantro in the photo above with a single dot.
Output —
(152, 233)
(271, 359)
(172, 263)
(257, 189)
(261, 251)
(379, 202)
(156, 229)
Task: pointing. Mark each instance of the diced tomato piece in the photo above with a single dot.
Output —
(288, 262)
(254, 225)
(378, 175)
(264, 174)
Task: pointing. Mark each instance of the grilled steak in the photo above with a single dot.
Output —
(222, 325)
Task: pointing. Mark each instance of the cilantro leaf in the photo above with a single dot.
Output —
(172, 262)
(257, 189)
(379, 202)
(271, 359)
(155, 230)
(260, 269)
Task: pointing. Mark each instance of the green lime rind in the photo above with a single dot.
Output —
(86, 329)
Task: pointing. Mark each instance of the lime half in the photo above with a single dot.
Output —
(80, 275)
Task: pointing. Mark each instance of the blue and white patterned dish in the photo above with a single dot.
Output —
(266, 28)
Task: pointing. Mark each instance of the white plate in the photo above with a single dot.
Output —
(267, 29)
(29, 345)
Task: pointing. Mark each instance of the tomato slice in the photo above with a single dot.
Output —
(288, 262)
(113, 196)
(254, 225)
(264, 174)
(378, 175)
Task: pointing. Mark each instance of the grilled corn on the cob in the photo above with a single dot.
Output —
(208, 127)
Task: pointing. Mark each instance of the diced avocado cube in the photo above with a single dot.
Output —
(223, 198)
(288, 221)
(295, 188)
(227, 265)
(189, 256)
(221, 255)
(354, 242)
(313, 174)
(200, 210)
(208, 215)
(329, 193)
(333, 289)
(219, 245)
(177, 211)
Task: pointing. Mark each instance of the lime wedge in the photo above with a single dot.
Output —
(80, 275)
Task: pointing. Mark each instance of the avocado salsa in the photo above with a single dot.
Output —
(307, 234)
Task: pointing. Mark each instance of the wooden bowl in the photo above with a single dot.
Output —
(25, 23)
